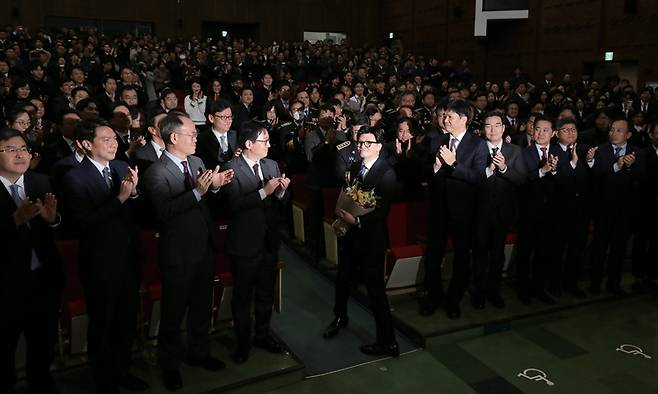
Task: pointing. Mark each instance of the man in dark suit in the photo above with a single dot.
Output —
(366, 242)
(497, 211)
(101, 194)
(645, 240)
(536, 225)
(574, 201)
(61, 143)
(178, 186)
(253, 197)
(30, 294)
(219, 143)
(150, 152)
(525, 136)
(244, 110)
(617, 172)
(459, 160)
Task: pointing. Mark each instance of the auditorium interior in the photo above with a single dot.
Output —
(560, 328)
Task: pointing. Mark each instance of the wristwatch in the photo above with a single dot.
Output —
(454, 165)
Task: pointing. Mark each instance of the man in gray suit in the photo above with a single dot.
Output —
(254, 198)
(178, 186)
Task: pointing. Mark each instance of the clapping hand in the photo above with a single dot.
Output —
(629, 159)
(132, 176)
(47, 208)
(222, 178)
(203, 182)
(25, 212)
(591, 152)
(136, 144)
(283, 183)
(499, 161)
(449, 156)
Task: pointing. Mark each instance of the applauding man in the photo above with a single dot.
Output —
(253, 238)
(101, 193)
(178, 186)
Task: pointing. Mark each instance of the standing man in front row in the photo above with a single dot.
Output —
(30, 292)
(101, 193)
(497, 211)
(179, 186)
(457, 172)
(366, 243)
(253, 238)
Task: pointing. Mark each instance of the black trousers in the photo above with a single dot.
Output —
(571, 231)
(253, 283)
(535, 250)
(185, 287)
(111, 298)
(460, 228)
(33, 311)
(611, 232)
(489, 252)
(371, 263)
(645, 244)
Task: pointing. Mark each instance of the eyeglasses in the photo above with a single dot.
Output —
(224, 117)
(266, 141)
(365, 144)
(568, 130)
(194, 135)
(15, 149)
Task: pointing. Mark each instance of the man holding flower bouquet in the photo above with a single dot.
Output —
(372, 184)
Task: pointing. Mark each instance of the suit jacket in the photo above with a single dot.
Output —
(539, 192)
(144, 157)
(186, 227)
(371, 238)
(521, 140)
(107, 228)
(457, 187)
(573, 184)
(651, 180)
(208, 149)
(20, 241)
(614, 189)
(500, 192)
(240, 115)
(253, 222)
(54, 149)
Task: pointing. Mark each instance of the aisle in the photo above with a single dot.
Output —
(308, 308)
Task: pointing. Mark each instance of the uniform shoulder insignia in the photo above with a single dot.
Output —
(286, 124)
(343, 145)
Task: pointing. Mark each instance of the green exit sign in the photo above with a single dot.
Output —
(609, 56)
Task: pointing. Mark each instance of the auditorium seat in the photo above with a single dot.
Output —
(73, 317)
(299, 205)
(150, 287)
(329, 198)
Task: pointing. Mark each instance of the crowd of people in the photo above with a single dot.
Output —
(100, 142)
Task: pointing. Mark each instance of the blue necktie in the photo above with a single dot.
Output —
(362, 171)
(34, 263)
(108, 177)
(617, 152)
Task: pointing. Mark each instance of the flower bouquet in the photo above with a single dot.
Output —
(356, 201)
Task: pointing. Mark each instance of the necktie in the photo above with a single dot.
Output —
(260, 181)
(617, 152)
(453, 143)
(108, 177)
(222, 143)
(544, 156)
(512, 122)
(494, 151)
(362, 171)
(34, 261)
(14, 194)
(570, 151)
(189, 184)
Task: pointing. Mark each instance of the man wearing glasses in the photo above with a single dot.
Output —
(219, 143)
(179, 187)
(366, 242)
(573, 215)
(30, 293)
(254, 197)
(497, 211)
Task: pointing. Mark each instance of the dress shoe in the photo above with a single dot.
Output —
(427, 305)
(172, 380)
(377, 349)
(132, 383)
(616, 290)
(478, 301)
(496, 300)
(241, 355)
(269, 343)
(335, 326)
(575, 292)
(208, 363)
(453, 311)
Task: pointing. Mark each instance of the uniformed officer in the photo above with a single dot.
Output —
(292, 139)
